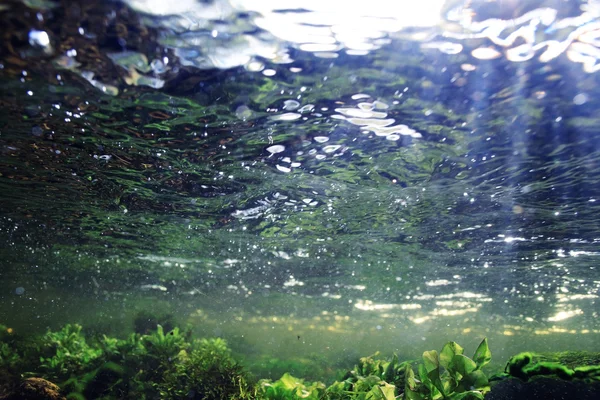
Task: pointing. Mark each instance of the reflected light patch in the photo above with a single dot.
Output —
(368, 305)
(423, 13)
(444, 312)
(438, 282)
(562, 298)
(420, 320)
(562, 315)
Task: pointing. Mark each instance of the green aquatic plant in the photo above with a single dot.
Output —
(117, 349)
(66, 352)
(289, 388)
(371, 378)
(167, 365)
(449, 374)
(524, 367)
(311, 366)
(207, 372)
(10, 359)
(145, 322)
(369, 387)
(162, 346)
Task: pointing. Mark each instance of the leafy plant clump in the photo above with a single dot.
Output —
(372, 379)
(207, 372)
(168, 365)
(157, 365)
(289, 388)
(449, 374)
(66, 352)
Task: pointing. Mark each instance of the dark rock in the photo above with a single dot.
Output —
(544, 388)
(36, 389)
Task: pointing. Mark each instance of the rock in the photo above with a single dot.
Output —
(36, 389)
(544, 388)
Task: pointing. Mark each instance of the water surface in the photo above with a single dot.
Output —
(306, 180)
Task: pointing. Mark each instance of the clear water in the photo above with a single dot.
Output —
(310, 181)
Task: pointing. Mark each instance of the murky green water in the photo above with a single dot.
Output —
(308, 184)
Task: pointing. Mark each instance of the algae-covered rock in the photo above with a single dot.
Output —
(565, 365)
(36, 389)
(570, 359)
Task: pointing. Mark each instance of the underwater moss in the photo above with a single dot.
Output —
(528, 365)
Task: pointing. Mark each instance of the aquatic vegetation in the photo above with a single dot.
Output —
(309, 367)
(158, 364)
(66, 352)
(145, 322)
(289, 388)
(164, 346)
(168, 365)
(449, 374)
(371, 378)
(371, 387)
(207, 372)
(9, 358)
(524, 367)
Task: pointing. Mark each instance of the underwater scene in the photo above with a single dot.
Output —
(260, 199)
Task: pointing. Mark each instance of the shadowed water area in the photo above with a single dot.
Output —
(304, 182)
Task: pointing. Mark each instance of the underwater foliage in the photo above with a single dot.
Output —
(449, 374)
(311, 367)
(168, 365)
(66, 352)
(288, 388)
(156, 365)
(528, 365)
(9, 358)
(207, 372)
(371, 378)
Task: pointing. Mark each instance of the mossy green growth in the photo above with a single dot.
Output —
(207, 372)
(529, 365)
(449, 374)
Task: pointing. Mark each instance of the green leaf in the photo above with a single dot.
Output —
(432, 366)
(463, 365)
(390, 371)
(431, 361)
(476, 380)
(434, 378)
(410, 383)
(423, 373)
(384, 391)
(159, 332)
(466, 396)
(482, 355)
(410, 395)
(449, 350)
(430, 373)
(288, 381)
